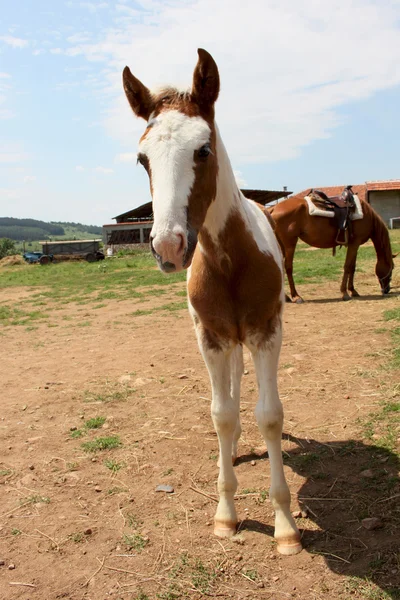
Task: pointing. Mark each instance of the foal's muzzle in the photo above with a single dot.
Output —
(175, 255)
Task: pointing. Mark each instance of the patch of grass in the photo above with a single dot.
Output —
(135, 541)
(72, 466)
(102, 443)
(367, 590)
(113, 465)
(115, 490)
(76, 537)
(95, 422)
(77, 433)
(5, 472)
(16, 532)
(168, 472)
(202, 577)
(35, 499)
(251, 574)
(133, 521)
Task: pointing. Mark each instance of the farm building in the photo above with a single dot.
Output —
(134, 226)
(384, 197)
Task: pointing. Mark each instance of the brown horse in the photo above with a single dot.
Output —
(293, 222)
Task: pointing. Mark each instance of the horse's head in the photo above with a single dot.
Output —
(178, 152)
(384, 272)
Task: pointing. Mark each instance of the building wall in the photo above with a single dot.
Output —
(386, 203)
(121, 235)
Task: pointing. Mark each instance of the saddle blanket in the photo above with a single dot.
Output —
(319, 212)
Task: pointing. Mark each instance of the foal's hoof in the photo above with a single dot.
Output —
(224, 529)
(346, 297)
(290, 549)
(297, 300)
(355, 294)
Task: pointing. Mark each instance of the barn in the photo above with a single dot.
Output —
(384, 197)
(133, 227)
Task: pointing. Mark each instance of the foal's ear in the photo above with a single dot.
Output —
(205, 87)
(138, 95)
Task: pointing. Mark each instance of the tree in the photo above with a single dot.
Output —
(7, 247)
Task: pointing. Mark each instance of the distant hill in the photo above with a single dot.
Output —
(32, 230)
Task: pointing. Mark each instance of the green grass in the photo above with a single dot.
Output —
(135, 541)
(95, 423)
(113, 465)
(394, 315)
(102, 443)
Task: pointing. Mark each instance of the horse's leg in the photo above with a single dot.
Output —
(348, 272)
(225, 416)
(352, 270)
(237, 368)
(269, 414)
(289, 254)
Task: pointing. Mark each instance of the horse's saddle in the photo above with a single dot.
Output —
(343, 206)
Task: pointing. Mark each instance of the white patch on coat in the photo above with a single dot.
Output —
(227, 198)
(169, 145)
(259, 226)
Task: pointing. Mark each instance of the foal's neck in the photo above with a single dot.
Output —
(228, 195)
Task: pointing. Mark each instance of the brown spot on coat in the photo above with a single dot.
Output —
(235, 288)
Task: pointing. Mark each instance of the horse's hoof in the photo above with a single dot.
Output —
(346, 297)
(224, 529)
(298, 300)
(289, 549)
(355, 294)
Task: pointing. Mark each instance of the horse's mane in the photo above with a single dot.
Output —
(171, 96)
(380, 234)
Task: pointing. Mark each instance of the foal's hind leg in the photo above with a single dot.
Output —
(269, 414)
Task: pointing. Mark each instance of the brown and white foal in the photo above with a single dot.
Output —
(204, 224)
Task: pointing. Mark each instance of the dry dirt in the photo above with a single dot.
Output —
(65, 515)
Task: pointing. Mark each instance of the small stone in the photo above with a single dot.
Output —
(260, 584)
(94, 459)
(371, 523)
(208, 523)
(183, 377)
(276, 578)
(304, 514)
(46, 387)
(245, 372)
(2, 563)
(88, 531)
(253, 463)
(239, 557)
(97, 489)
(31, 467)
(347, 397)
(11, 566)
(168, 489)
(368, 473)
(73, 428)
(296, 514)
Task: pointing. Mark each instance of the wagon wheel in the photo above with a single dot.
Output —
(44, 260)
(90, 257)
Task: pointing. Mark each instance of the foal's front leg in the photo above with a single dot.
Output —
(269, 414)
(225, 416)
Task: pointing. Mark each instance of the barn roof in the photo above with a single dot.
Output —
(335, 190)
(145, 211)
(361, 189)
(391, 184)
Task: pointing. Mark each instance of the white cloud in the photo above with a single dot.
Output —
(104, 170)
(5, 76)
(14, 42)
(126, 157)
(284, 76)
(79, 168)
(93, 6)
(10, 156)
(29, 178)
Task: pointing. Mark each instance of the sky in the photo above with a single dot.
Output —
(310, 95)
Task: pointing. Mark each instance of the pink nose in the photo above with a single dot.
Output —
(170, 249)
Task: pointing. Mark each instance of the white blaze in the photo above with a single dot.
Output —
(169, 145)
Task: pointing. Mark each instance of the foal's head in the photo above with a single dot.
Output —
(178, 152)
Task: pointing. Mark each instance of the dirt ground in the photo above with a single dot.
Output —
(90, 525)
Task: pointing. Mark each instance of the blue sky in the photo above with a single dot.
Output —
(309, 95)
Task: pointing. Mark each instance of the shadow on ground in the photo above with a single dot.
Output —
(347, 482)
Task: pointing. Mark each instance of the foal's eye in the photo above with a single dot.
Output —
(204, 151)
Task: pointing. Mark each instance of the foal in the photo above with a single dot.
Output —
(203, 223)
